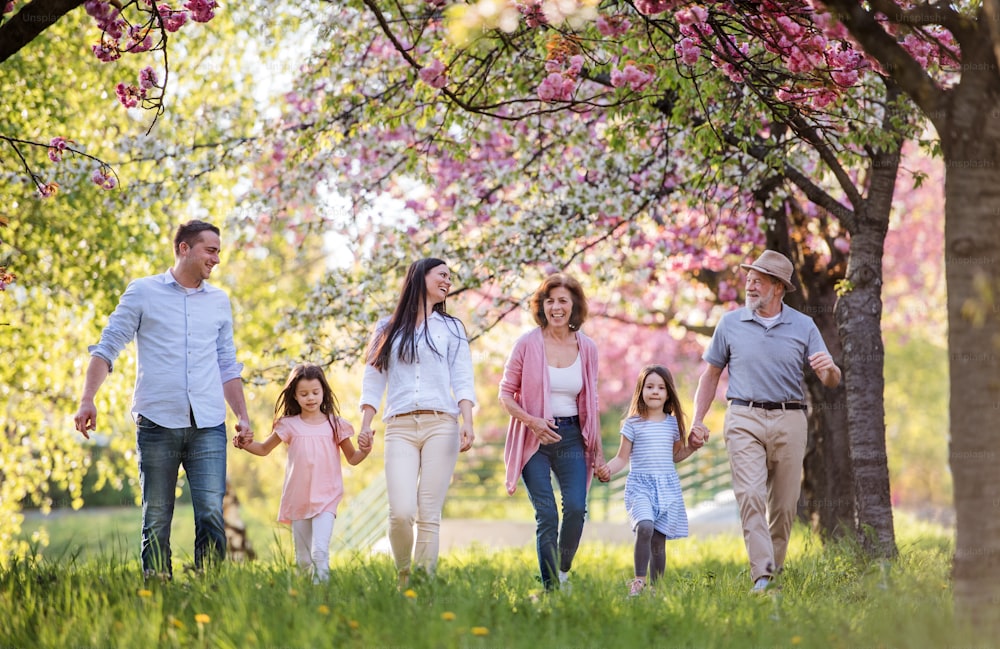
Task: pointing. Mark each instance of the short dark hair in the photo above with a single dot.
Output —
(189, 232)
(537, 303)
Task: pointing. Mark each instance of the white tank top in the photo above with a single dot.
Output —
(565, 384)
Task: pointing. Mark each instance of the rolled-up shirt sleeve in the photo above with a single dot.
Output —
(374, 382)
(462, 375)
(123, 323)
(229, 367)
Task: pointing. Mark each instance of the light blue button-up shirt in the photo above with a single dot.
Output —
(436, 381)
(184, 340)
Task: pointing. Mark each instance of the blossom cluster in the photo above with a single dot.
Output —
(433, 74)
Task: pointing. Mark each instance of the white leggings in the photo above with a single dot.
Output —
(312, 544)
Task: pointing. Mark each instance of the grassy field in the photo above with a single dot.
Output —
(830, 597)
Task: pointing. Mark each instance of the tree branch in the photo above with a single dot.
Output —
(33, 19)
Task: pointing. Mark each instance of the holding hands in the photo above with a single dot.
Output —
(699, 435)
(365, 439)
(244, 433)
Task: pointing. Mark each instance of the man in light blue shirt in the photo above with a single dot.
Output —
(187, 372)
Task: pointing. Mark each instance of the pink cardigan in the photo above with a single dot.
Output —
(526, 380)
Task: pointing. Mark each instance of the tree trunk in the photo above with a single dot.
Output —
(970, 139)
(859, 319)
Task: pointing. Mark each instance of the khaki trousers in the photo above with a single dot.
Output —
(766, 449)
(420, 456)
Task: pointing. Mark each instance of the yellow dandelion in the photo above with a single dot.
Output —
(480, 631)
(177, 624)
(796, 639)
(202, 618)
(323, 609)
(447, 616)
(144, 593)
(353, 624)
(409, 592)
(292, 592)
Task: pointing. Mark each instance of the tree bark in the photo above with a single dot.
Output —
(970, 139)
(859, 321)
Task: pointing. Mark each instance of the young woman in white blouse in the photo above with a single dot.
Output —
(419, 358)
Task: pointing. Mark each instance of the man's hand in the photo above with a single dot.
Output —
(86, 417)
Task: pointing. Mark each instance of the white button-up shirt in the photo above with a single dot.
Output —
(184, 340)
(434, 381)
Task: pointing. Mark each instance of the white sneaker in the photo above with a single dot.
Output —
(564, 584)
(761, 585)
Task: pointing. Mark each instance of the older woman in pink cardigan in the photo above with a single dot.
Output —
(549, 389)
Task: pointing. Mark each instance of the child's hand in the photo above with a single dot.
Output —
(603, 473)
(365, 439)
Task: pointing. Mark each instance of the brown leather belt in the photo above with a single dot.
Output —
(420, 412)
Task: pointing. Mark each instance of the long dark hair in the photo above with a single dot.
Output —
(403, 322)
(672, 405)
(288, 406)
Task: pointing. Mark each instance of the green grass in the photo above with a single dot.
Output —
(831, 596)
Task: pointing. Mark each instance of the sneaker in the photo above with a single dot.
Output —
(762, 585)
(636, 588)
(564, 584)
(404, 580)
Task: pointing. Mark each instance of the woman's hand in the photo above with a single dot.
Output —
(466, 436)
(544, 430)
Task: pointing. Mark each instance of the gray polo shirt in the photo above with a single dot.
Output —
(765, 363)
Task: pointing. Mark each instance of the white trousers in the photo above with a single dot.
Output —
(420, 456)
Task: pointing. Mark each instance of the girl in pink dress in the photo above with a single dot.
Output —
(307, 419)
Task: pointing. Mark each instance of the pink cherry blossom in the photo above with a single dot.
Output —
(613, 26)
(147, 78)
(103, 178)
(434, 74)
(129, 95)
(556, 87)
(172, 20)
(688, 50)
(140, 39)
(693, 15)
(202, 11)
(107, 51)
(631, 76)
(653, 7)
(56, 147)
(533, 14)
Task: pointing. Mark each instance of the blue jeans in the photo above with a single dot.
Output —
(202, 453)
(567, 460)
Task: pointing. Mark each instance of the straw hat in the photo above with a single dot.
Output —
(775, 264)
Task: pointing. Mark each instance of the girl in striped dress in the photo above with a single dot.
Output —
(653, 438)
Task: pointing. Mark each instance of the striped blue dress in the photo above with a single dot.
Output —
(653, 489)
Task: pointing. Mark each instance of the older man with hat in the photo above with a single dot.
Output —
(767, 346)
